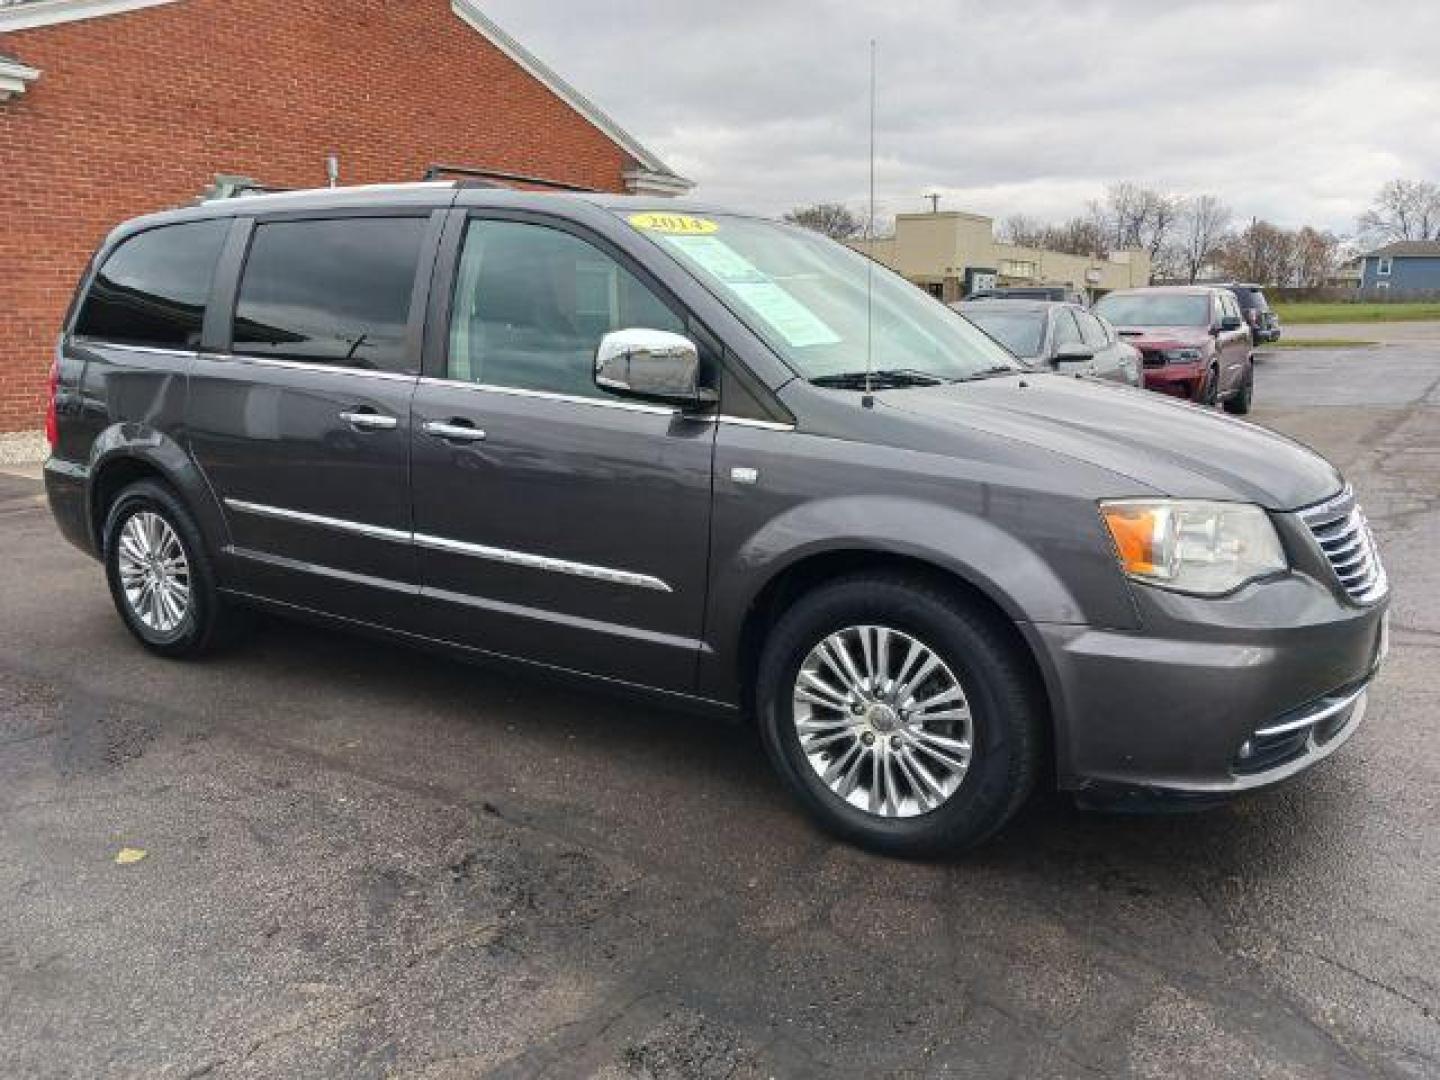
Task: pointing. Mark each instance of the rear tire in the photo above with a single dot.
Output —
(1239, 403)
(160, 576)
(870, 732)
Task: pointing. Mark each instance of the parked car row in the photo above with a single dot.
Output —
(1194, 342)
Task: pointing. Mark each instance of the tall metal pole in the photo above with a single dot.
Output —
(869, 401)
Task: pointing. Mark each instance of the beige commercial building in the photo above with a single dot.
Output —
(952, 253)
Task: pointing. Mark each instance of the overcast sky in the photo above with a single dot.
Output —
(1294, 110)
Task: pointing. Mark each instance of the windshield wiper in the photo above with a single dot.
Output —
(883, 378)
(992, 372)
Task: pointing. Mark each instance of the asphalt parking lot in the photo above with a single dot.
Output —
(364, 861)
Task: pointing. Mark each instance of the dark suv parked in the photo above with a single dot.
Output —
(1255, 309)
(705, 456)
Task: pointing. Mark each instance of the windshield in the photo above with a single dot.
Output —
(805, 295)
(1019, 331)
(1155, 309)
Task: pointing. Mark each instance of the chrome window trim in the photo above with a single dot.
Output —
(550, 395)
(149, 350)
(457, 547)
(304, 365)
(603, 403)
(745, 421)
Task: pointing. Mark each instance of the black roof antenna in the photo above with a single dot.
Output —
(868, 400)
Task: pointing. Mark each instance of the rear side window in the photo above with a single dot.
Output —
(1091, 330)
(1066, 333)
(153, 287)
(329, 292)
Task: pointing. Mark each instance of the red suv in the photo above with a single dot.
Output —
(1193, 340)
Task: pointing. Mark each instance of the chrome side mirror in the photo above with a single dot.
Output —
(653, 365)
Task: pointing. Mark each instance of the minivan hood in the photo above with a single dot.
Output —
(1163, 444)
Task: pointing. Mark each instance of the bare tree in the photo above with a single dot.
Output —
(1261, 253)
(1131, 216)
(1315, 256)
(1078, 236)
(1204, 227)
(1023, 231)
(1403, 210)
(835, 220)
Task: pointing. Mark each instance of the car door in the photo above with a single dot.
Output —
(1234, 344)
(300, 417)
(555, 522)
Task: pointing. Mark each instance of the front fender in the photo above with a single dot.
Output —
(131, 449)
(1066, 575)
(1006, 570)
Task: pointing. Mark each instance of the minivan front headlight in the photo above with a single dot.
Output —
(1206, 548)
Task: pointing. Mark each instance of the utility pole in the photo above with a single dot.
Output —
(934, 203)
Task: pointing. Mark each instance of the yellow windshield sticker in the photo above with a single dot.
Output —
(676, 224)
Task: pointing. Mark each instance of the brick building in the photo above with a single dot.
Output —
(111, 108)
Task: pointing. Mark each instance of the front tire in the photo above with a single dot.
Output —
(160, 576)
(903, 720)
(1210, 389)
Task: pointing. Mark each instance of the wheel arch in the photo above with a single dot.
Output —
(126, 454)
(814, 570)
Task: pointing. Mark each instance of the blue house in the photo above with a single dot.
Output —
(1405, 264)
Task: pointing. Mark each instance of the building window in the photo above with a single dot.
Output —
(1015, 268)
(1382, 285)
(1383, 266)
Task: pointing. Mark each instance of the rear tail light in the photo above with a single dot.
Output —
(52, 419)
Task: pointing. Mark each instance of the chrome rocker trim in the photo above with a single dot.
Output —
(458, 547)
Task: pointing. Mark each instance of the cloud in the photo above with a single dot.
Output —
(1291, 110)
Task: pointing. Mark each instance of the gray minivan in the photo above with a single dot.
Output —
(720, 460)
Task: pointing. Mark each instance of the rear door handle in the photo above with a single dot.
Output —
(370, 421)
(459, 431)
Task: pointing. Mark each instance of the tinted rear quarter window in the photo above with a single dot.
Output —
(335, 291)
(151, 290)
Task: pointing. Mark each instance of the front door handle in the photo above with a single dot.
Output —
(458, 430)
(370, 421)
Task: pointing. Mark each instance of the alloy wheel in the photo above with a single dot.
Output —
(154, 573)
(883, 721)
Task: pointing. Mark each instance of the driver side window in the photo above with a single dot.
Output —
(532, 303)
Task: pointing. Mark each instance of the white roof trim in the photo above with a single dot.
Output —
(14, 76)
(49, 12)
(470, 13)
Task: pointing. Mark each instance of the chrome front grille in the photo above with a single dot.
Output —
(1342, 532)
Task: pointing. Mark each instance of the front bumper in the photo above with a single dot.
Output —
(1218, 696)
(1177, 380)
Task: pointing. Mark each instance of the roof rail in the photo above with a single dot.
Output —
(496, 178)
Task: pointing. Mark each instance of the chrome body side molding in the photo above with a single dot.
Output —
(459, 547)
